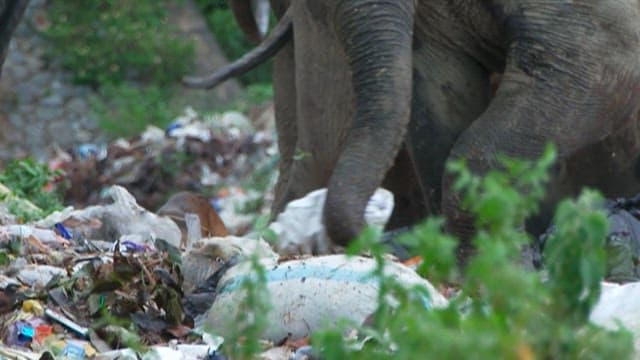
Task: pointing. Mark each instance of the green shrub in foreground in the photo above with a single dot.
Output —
(502, 310)
(251, 321)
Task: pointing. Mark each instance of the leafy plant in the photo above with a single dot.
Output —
(502, 310)
(251, 321)
(28, 179)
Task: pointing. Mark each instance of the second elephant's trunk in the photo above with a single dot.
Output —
(377, 38)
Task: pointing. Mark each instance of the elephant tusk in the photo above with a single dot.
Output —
(261, 12)
(280, 34)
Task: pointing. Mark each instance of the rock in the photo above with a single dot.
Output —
(16, 119)
(47, 114)
(77, 105)
(28, 92)
(53, 100)
(41, 80)
(18, 73)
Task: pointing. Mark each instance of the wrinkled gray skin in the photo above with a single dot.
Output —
(11, 12)
(314, 106)
(364, 79)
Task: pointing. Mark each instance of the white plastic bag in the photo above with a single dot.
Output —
(308, 294)
(299, 228)
(619, 305)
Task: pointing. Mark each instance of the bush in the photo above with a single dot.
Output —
(502, 310)
(110, 41)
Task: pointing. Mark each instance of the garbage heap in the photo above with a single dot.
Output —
(109, 279)
(197, 153)
(115, 280)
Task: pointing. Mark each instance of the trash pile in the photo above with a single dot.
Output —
(109, 279)
(114, 280)
(196, 153)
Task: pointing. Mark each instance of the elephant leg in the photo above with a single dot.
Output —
(611, 164)
(554, 89)
(450, 91)
(284, 96)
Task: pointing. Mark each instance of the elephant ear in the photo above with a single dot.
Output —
(377, 38)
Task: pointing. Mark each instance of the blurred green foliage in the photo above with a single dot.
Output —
(502, 311)
(231, 39)
(112, 41)
(126, 109)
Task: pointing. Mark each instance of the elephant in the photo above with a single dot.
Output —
(365, 89)
(11, 13)
(252, 17)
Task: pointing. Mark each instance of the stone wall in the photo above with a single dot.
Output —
(40, 107)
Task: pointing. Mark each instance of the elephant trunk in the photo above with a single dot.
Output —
(377, 38)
